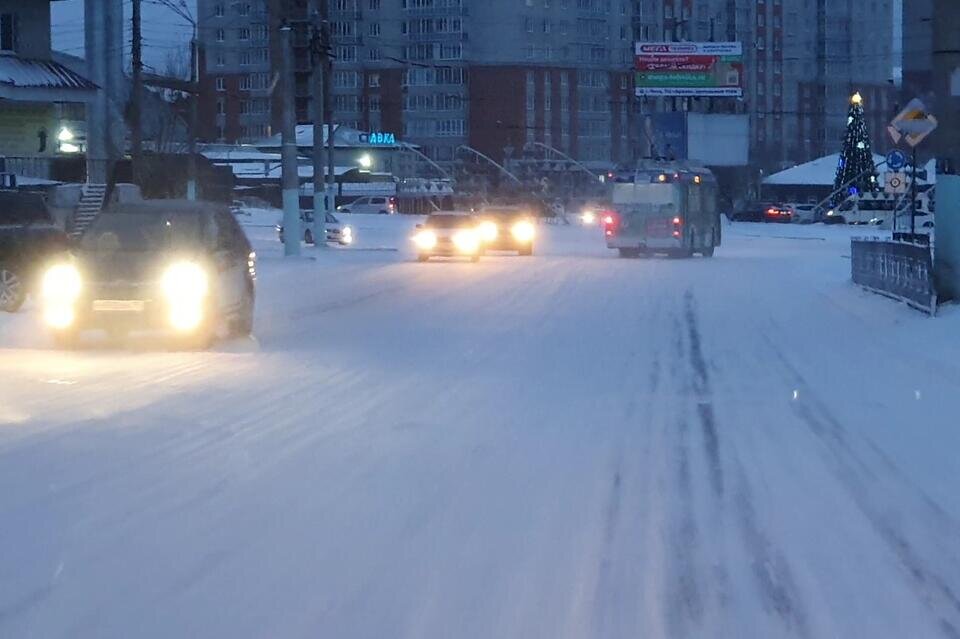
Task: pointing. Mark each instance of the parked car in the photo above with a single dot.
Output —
(337, 232)
(181, 267)
(763, 212)
(29, 239)
(373, 204)
(805, 213)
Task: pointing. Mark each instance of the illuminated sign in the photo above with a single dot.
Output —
(689, 69)
(378, 137)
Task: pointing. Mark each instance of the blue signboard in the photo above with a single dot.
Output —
(378, 138)
(896, 160)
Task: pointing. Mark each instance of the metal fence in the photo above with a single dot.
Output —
(901, 270)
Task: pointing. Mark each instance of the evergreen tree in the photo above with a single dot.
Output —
(856, 158)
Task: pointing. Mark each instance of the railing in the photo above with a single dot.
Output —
(897, 269)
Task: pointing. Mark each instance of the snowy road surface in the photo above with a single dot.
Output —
(569, 445)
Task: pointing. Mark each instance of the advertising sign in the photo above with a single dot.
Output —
(708, 69)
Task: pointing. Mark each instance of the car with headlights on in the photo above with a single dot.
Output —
(337, 232)
(507, 228)
(448, 235)
(184, 268)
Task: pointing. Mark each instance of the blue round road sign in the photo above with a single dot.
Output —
(896, 160)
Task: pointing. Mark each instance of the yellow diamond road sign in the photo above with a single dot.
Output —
(913, 124)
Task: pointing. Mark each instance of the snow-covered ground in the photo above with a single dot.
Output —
(569, 445)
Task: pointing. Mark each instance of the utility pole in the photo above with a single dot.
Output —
(290, 171)
(319, 60)
(328, 106)
(194, 106)
(136, 97)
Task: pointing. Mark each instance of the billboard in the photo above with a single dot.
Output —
(672, 69)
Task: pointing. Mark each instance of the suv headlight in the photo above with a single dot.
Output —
(60, 289)
(425, 240)
(62, 284)
(185, 286)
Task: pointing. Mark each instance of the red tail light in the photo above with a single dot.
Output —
(611, 222)
(677, 226)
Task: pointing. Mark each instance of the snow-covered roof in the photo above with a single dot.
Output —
(239, 154)
(44, 74)
(819, 172)
(823, 171)
(272, 170)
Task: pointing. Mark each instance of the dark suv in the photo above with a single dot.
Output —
(28, 239)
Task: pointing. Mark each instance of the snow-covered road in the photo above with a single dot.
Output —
(569, 445)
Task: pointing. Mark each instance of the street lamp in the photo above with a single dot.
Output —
(365, 161)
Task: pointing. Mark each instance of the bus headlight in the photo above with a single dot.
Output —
(466, 241)
(425, 240)
(185, 286)
(488, 231)
(523, 232)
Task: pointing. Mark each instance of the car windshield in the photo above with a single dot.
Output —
(448, 221)
(142, 232)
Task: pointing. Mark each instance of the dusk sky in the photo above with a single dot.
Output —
(163, 31)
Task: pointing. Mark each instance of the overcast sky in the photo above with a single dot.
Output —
(163, 31)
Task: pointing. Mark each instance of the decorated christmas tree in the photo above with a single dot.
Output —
(856, 172)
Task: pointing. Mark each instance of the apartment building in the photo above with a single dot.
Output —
(495, 75)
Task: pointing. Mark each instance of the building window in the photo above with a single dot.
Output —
(221, 106)
(221, 35)
(243, 8)
(218, 10)
(373, 54)
(245, 58)
(8, 32)
(373, 80)
(243, 34)
(221, 85)
(374, 5)
(373, 29)
(374, 103)
(221, 59)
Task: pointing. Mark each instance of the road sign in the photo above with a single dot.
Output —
(896, 160)
(895, 183)
(913, 124)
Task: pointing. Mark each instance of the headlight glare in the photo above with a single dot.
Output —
(185, 282)
(466, 241)
(62, 284)
(425, 240)
(488, 231)
(523, 231)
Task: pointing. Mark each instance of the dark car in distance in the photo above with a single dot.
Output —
(29, 238)
(185, 268)
(507, 228)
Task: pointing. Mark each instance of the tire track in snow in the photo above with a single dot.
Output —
(855, 474)
(769, 568)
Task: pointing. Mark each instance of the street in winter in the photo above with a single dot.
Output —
(575, 446)
(479, 319)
